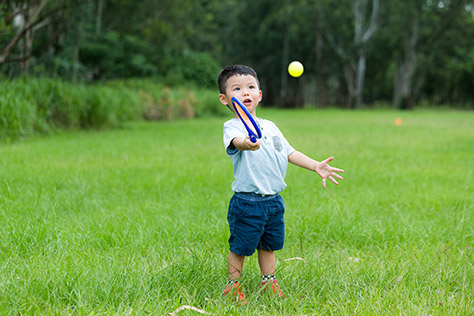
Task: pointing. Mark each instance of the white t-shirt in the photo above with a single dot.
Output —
(262, 171)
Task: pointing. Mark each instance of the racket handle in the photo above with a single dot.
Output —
(253, 139)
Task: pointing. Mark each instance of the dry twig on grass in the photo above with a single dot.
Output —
(175, 313)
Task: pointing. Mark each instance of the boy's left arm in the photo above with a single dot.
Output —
(323, 169)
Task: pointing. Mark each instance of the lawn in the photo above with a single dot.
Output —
(133, 221)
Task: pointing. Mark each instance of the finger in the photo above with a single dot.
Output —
(324, 183)
(337, 169)
(338, 176)
(333, 180)
(327, 160)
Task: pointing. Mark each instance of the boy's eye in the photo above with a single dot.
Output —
(251, 87)
(236, 89)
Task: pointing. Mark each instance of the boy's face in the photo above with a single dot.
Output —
(245, 89)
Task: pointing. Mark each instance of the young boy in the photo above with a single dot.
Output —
(256, 209)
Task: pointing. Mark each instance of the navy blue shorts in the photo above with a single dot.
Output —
(256, 222)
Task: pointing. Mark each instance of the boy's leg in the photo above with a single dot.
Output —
(266, 260)
(236, 262)
(233, 287)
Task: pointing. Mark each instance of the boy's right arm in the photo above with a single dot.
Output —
(245, 144)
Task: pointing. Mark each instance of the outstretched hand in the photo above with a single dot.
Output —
(325, 171)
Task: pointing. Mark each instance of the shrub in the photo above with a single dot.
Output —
(16, 114)
(30, 105)
(198, 68)
(208, 103)
(162, 102)
(58, 105)
(108, 107)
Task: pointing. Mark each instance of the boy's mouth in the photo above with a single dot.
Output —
(247, 102)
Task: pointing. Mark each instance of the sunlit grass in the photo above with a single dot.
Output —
(133, 221)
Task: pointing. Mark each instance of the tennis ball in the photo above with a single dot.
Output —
(398, 121)
(295, 69)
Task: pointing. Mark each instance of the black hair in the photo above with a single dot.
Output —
(234, 70)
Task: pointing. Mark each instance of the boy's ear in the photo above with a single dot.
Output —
(223, 99)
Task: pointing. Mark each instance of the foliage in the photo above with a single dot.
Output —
(44, 105)
(17, 114)
(112, 55)
(164, 102)
(191, 67)
(189, 41)
(30, 105)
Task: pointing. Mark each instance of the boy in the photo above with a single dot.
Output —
(256, 209)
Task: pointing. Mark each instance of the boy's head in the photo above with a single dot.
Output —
(234, 70)
(241, 82)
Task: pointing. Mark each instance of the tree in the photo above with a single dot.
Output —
(423, 24)
(354, 51)
(25, 19)
(22, 18)
(354, 58)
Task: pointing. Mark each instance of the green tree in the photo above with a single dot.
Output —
(417, 27)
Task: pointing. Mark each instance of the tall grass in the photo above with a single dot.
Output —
(133, 221)
(28, 106)
(163, 102)
(42, 105)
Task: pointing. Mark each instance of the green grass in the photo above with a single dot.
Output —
(133, 221)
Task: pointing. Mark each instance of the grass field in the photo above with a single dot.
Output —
(133, 221)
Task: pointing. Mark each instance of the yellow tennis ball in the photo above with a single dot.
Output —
(295, 69)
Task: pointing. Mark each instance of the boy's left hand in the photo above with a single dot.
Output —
(325, 171)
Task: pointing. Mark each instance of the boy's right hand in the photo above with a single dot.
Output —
(251, 145)
(246, 144)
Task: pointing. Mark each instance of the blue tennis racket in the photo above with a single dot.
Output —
(247, 119)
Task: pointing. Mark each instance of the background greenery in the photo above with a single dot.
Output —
(404, 53)
(29, 106)
(132, 221)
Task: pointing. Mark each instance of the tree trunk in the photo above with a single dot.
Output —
(284, 67)
(321, 98)
(361, 37)
(405, 69)
(349, 79)
(359, 84)
(27, 41)
(22, 31)
(98, 21)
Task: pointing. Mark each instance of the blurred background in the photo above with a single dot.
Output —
(401, 54)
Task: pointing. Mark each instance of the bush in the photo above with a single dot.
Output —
(198, 68)
(16, 114)
(209, 104)
(43, 105)
(162, 102)
(111, 55)
(58, 105)
(30, 105)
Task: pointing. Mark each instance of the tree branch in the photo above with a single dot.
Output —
(446, 20)
(373, 21)
(7, 50)
(338, 49)
(17, 59)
